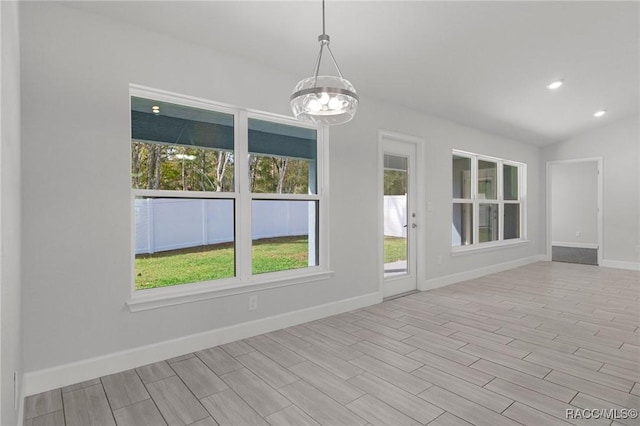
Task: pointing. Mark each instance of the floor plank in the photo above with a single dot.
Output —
(378, 413)
(409, 404)
(228, 409)
(529, 416)
(470, 411)
(340, 390)
(43, 403)
(153, 372)
(262, 397)
(267, 370)
(291, 416)
(87, 406)
(143, 413)
(176, 403)
(477, 394)
(124, 389)
(391, 374)
(198, 377)
(522, 345)
(320, 407)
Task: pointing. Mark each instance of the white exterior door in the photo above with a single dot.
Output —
(399, 215)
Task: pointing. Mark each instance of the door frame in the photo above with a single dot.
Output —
(419, 204)
(599, 188)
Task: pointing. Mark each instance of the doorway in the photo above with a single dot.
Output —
(574, 211)
(399, 214)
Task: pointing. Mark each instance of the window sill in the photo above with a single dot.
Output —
(144, 300)
(457, 251)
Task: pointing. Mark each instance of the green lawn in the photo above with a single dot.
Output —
(395, 248)
(216, 261)
(205, 263)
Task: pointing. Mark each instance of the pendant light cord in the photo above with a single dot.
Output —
(324, 41)
(323, 32)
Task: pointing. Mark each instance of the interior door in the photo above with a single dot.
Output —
(399, 216)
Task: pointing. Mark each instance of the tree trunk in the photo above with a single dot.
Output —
(155, 152)
(282, 173)
(135, 165)
(223, 159)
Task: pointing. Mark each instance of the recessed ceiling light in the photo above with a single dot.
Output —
(555, 85)
(600, 113)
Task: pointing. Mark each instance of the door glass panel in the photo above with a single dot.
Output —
(488, 219)
(395, 215)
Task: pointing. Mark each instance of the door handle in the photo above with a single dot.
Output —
(414, 226)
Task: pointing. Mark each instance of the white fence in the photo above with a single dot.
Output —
(395, 215)
(173, 223)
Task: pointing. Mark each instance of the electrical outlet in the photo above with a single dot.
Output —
(578, 233)
(439, 260)
(253, 302)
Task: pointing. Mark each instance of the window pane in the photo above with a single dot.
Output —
(183, 240)
(511, 221)
(282, 158)
(462, 226)
(487, 180)
(284, 234)
(461, 177)
(175, 147)
(488, 226)
(510, 179)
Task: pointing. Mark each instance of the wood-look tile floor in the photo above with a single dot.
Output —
(517, 347)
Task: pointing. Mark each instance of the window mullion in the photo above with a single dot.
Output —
(474, 197)
(243, 206)
(500, 197)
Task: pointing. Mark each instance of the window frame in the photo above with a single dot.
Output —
(475, 202)
(244, 280)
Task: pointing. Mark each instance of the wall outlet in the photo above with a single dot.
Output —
(253, 302)
(578, 233)
(439, 260)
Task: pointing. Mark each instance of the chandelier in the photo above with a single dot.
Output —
(323, 99)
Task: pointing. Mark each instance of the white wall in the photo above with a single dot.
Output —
(76, 72)
(619, 145)
(574, 201)
(10, 296)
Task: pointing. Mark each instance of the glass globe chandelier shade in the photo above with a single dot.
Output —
(322, 99)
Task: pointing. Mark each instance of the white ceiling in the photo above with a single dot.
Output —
(482, 64)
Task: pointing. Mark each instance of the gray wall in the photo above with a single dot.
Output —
(76, 72)
(574, 201)
(10, 298)
(618, 144)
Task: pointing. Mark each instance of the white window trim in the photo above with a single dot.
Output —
(244, 281)
(475, 201)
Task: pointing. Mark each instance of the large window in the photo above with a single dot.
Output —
(488, 197)
(221, 196)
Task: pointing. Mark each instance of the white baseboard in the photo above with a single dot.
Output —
(575, 245)
(75, 372)
(618, 264)
(477, 273)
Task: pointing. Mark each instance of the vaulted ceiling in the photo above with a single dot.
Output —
(481, 64)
